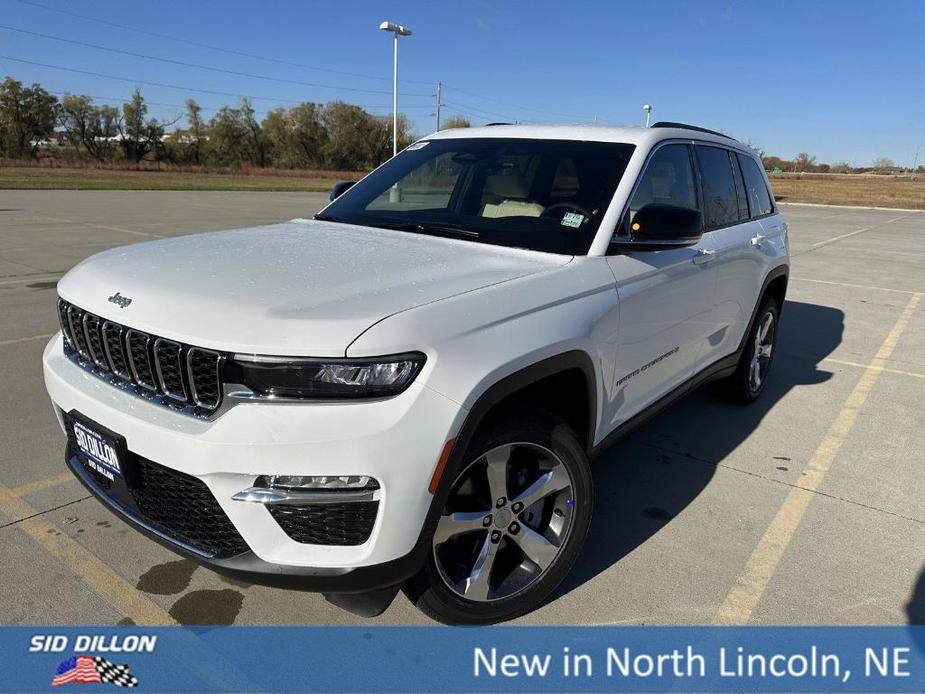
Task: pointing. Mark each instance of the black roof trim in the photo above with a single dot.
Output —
(488, 125)
(685, 126)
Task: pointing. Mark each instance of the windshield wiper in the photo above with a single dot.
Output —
(431, 229)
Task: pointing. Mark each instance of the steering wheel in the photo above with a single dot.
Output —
(566, 206)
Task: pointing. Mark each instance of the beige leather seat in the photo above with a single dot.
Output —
(512, 191)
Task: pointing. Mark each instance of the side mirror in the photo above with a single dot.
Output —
(340, 188)
(656, 226)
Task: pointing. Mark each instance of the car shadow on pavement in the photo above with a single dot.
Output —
(647, 479)
(915, 608)
(915, 612)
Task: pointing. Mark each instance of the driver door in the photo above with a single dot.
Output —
(665, 297)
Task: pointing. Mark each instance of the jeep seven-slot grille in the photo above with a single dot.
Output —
(185, 377)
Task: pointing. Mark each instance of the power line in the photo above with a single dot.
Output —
(254, 56)
(513, 105)
(265, 58)
(164, 85)
(112, 99)
(466, 114)
(198, 66)
(210, 47)
(180, 106)
(488, 114)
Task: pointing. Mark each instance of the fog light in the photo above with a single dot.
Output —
(316, 482)
(295, 490)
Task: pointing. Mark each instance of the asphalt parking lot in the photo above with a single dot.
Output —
(808, 507)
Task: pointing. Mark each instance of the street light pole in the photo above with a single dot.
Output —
(395, 95)
(397, 30)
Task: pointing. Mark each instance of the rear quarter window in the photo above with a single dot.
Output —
(759, 198)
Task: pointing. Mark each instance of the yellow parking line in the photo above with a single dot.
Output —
(94, 225)
(856, 364)
(113, 588)
(855, 286)
(39, 485)
(17, 340)
(744, 596)
(867, 366)
(27, 280)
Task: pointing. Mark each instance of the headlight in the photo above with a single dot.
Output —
(296, 377)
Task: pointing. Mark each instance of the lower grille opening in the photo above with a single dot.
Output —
(183, 507)
(327, 524)
(177, 505)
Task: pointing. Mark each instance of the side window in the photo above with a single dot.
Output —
(740, 186)
(720, 202)
(668, 179)
(759, 200)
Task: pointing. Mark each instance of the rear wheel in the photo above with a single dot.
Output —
(514, 522)
(751, 374)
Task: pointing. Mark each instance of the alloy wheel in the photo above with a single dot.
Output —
(506, 520)
(761, 357)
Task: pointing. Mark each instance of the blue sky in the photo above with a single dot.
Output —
(841, 80)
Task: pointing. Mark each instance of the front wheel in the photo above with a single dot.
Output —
(514, 522)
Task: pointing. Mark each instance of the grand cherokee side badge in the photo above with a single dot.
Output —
(119, 300)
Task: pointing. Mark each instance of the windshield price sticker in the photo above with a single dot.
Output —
(572, 219)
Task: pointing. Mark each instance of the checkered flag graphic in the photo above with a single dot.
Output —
(118, 675)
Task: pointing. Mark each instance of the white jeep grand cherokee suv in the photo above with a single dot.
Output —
(407, 390)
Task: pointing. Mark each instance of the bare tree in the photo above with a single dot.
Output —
(257, 141)
(196, 130)
(139, 134)
(804, 162)
(89, 128)
(455, 122)
(883, 165)
(759, 150)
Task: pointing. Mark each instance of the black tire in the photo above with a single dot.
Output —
(430, 590)
(740, 387)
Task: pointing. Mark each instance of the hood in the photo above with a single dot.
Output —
(304, 288)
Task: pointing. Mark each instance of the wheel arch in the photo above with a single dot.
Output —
(565, 385)
(774, 285)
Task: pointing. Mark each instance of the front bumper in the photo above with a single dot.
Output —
(397, 441)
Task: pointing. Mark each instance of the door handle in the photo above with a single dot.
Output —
(704, 255)
(757, 239)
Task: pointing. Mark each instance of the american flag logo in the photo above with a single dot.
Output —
(85, 669)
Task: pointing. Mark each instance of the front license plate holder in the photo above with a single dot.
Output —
(100, 450)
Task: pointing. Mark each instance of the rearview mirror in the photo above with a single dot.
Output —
(656, 226)
(340, 188)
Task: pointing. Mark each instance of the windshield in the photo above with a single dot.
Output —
(544, 195)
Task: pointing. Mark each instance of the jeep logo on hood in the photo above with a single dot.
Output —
(119, 300)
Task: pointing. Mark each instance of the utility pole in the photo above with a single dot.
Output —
(439, 103)
(915, 161)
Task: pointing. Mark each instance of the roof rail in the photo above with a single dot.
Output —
(488, 125)
(685, 126)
